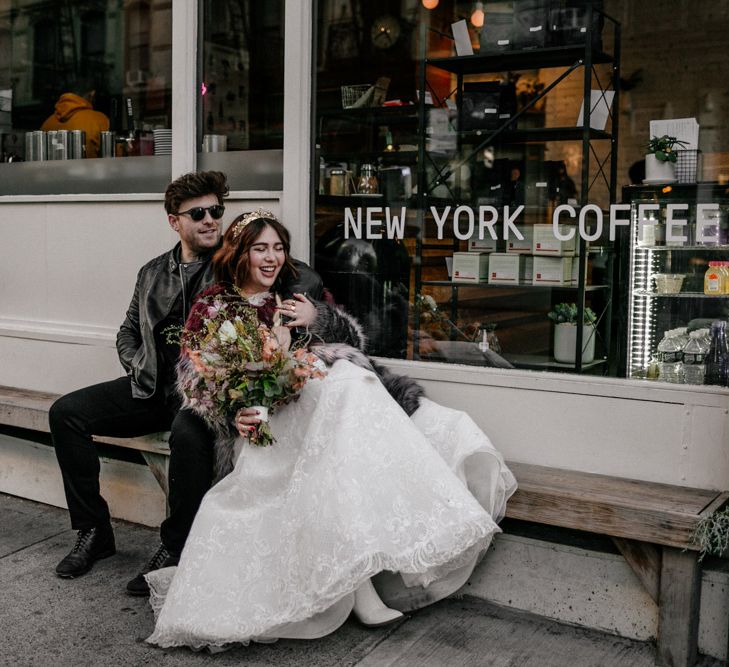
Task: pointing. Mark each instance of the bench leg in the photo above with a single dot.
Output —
(159, 465)
(678, 611)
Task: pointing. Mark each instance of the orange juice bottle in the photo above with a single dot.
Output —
(725, 272)
(714, 279)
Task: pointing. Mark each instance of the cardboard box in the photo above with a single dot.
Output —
(552, 271)
(470, 267)
(525, 246)
(544, 242)
(509, 268)
(484, 245)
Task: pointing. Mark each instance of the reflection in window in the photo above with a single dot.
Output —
(242, 76)
(100, 65)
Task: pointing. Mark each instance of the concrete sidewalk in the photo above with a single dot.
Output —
(91, 621)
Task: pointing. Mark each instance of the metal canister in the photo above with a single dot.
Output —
(35, 146)
(215, 143)
(57, 142)
(108, 143)
(77, 144)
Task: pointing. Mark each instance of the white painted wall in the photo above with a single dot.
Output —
(654, 431)
(67, 273)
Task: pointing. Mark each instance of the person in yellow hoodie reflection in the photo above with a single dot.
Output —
(75, 111)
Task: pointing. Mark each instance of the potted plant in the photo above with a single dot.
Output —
(660, 162)
(564, 317)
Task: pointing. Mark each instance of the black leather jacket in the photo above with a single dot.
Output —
(159, 284)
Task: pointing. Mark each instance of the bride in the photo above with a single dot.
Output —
(368, 479)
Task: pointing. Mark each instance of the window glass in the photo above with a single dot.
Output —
(463, 202)
(101, 68)
(241, 91)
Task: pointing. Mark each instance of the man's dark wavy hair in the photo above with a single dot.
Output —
(191, 186)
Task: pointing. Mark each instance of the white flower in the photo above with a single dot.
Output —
(227, 332)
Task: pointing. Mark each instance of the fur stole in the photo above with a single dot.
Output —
(335, 335)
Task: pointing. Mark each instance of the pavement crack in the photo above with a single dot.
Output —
(32, 544)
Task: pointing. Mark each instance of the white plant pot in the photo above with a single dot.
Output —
(565, 343)
(657, 171)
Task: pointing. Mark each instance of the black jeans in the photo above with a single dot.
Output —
(109, 409)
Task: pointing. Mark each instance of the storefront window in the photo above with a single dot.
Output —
(241, 92)
(480, 180)
(85, 96)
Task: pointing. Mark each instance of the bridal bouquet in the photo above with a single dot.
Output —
(236, 362)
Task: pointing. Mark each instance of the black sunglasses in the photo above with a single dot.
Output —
(197, 213)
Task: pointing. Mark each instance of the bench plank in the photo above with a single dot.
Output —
(24, 408)
(608, 505)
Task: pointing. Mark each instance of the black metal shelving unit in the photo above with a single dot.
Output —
(570, 59)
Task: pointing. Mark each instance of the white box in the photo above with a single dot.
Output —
(528, 269)
(482, 245)
(552, 271)
(513, 244)
(545, 242)
(509, 268)
(470, 267)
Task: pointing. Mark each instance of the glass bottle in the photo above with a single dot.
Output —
(367, 183)
(717, 360)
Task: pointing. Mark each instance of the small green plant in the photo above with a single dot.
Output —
(566, 313)
(712, 534)
(663, 148)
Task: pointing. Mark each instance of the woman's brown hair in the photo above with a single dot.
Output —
(230, 262)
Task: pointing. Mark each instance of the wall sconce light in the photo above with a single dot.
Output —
(430, 4)
(477, 16)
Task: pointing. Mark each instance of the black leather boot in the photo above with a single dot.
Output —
(162, 558)
(92, 544)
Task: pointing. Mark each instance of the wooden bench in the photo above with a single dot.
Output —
(22, 408)
(651, 524)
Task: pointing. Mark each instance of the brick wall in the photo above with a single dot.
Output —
(681, 47)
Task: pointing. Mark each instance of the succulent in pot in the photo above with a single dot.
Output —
(564, 316)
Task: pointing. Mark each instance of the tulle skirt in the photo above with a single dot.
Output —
(351, 489)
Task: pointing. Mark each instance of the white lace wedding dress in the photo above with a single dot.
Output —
(352, 488)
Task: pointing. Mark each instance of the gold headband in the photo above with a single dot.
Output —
(250, 217)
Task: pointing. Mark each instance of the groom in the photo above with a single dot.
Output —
(144, 400)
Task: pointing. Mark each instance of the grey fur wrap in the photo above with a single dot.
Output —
(335, 335)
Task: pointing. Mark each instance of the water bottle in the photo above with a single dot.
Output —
(716, 366)
(670, 368)
(683, 336)
(694, 357)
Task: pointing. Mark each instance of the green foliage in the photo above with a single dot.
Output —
(567, 313)
(664, 148)
(712, 534)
